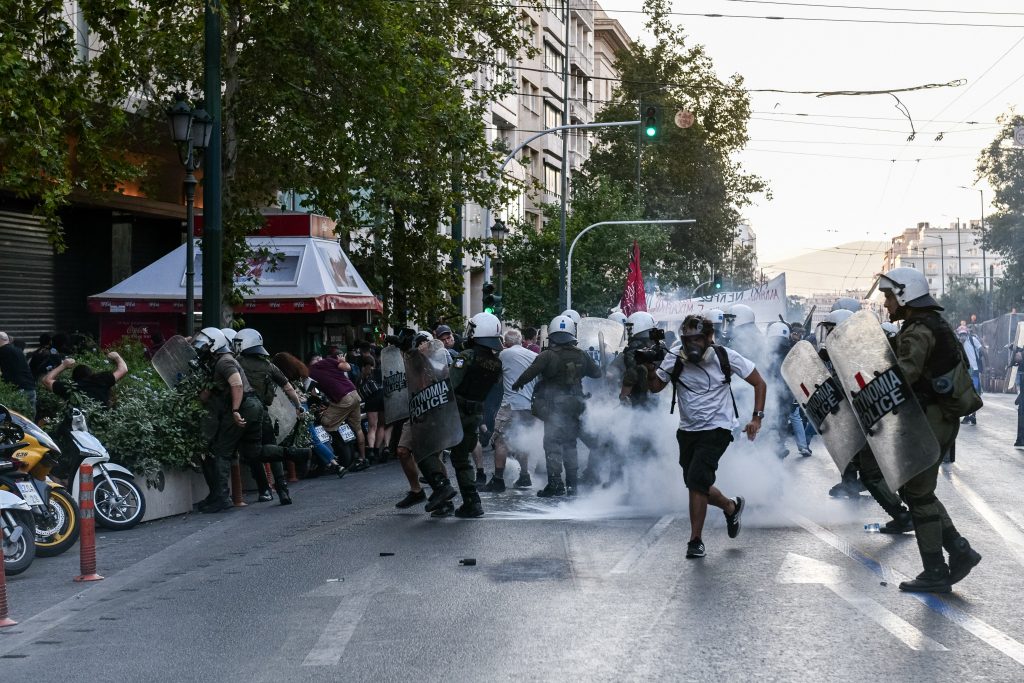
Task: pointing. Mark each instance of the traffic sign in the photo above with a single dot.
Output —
(684, 119)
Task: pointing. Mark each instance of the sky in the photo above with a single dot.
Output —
(840, 168)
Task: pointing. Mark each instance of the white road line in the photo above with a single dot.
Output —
(993, 404)
(987, 634)
(632, 558)
(911, 636)
(1012, 536)
(334, 638)
(1017, 518)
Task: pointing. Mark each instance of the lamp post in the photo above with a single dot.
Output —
(498, 231)
(190, 131)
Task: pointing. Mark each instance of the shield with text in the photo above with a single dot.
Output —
(282, 415)
(433, 413)
(883, 401)
(175, 360)
(396, 390)
(824, 402)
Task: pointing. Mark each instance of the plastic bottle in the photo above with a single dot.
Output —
(872, 528)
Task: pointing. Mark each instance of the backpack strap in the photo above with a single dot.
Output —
(677, 370)
(723, 360)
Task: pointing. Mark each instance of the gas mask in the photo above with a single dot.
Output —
(694, 351)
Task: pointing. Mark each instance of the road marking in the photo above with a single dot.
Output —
(800, 569)
(356, 595)
(1012, 536)
(987, 634)
(991, 404)
(632, 558)
(1017, 518)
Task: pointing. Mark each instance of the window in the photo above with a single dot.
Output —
(553, 59)
(553, 180)
(528, 93)
(552, 117)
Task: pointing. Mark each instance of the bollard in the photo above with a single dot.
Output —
(87, 519)
(292, 477)
(4, 619)
(236, 484)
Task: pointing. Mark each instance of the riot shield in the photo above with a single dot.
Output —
(396, 391)
(889, 414)
(175, 360)
(433, 414)
(601, 338)
(824, 402)
(282, 415)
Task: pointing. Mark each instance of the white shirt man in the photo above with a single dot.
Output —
(514, 413)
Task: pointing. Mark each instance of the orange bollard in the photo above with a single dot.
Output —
(87, 536)
(292, 477)
(236, 485)
(4, 619)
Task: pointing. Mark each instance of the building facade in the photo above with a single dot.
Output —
(945, 254)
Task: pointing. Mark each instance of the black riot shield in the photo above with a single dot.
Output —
(396, 390)
(889, 414)
(175, 360)
(433, 414)
(824, 401)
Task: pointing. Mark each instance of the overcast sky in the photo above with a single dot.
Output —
(832, 171)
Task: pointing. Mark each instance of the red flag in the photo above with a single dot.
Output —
(634, 298)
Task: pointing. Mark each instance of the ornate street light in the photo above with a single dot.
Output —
(190, 130)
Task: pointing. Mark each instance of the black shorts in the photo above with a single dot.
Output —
(699, 453)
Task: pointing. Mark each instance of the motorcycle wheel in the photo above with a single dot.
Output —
(19, 555)
(119, 502)
(59, 530)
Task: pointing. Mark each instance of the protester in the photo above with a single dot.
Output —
(84, 380)
(331, 374)
(14, 369)
(975, 352)
(530, 339)
(514, 415)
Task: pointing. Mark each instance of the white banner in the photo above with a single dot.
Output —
(767, 301)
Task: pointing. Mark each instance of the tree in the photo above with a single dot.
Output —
(367, 108)
(686, 173)
(1002, 165)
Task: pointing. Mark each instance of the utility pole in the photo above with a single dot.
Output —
(565, 160)
(213, 231)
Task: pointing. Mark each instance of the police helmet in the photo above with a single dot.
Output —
(910, 287)
(229, 334)
(641, 323)
(777, 329)
(836, 317)
(210, 340)
(484, 329)
(847, 303)
(715, 315)
(562, 330)
(618, 316)
(572, 314)
(741, 315)
(420, 337)
(249, 342)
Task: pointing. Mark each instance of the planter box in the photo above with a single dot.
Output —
(172, 495)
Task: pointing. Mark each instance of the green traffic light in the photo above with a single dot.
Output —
(651, 131)
(489, 310)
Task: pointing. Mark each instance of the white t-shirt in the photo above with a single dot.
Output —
(514, 361)
(702, 395)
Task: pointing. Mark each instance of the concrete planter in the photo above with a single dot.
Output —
(173, 493)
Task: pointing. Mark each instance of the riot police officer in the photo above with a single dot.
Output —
(265, 377)
(474, 372)
(558, 400)
(642, 331)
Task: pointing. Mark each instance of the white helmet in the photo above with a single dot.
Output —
(484, 329)
(562, 330)
(249, 342)
(777, 329)
(229, 334)
(742, 315)
(715, 315)
(572, 314)
(836, 317)
(640, 322)
(618, 316)
(891, 330)
(210, 340)
(847, 303)
(422, 336)
(910, 287)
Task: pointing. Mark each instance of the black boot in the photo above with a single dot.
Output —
(962, 559)
(471, 506)
(901, 523)
(554, 488)
(934, 578)
(443, 491)
(282, 492)
(495, 485)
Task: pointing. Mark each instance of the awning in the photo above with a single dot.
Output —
(310, 275)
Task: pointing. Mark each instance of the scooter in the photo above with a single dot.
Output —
(118, 500)
(17, 526)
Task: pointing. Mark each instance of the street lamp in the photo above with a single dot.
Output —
(498, 232)
(984, 273)
(190, 130)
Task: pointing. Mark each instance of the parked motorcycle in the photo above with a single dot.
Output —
(119, 502)
(17, 526)
(345, 452)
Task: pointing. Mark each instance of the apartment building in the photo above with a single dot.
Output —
(944, 253)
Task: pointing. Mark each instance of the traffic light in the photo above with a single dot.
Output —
(651, 120)
(491, 300)
(717, 282)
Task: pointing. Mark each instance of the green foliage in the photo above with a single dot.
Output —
(964, 297)
(1002, 165)
(12, 397)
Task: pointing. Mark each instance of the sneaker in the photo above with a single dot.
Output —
(966, 420)
(359, 466)
(900, 524)
(962, 561)
(441, 495)
(732, 522)
(1019, 446)
(495, 485)
(845, 490)
(469, 510)
(552, 489)
(806, 452)
(265, 496)
(411, 498)
(929, 581)
(695, 549)
(446, 510)
(524, 481)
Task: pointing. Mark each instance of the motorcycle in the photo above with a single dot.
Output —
(118, 500)
(317, 403)
(17, 526)
(54, 509)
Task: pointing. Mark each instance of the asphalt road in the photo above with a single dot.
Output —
(595, 589)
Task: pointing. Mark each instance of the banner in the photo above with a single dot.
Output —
(634, 298)
(767, 301)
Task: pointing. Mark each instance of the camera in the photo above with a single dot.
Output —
(657, 334)
(652, 354)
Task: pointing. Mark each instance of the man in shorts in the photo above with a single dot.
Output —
(331, 374)
(700, 372)
(514, 414)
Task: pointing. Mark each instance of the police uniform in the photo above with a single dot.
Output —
(559, 400)
(473, 373)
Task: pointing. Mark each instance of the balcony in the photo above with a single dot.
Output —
(584, 10)
(582, 60)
